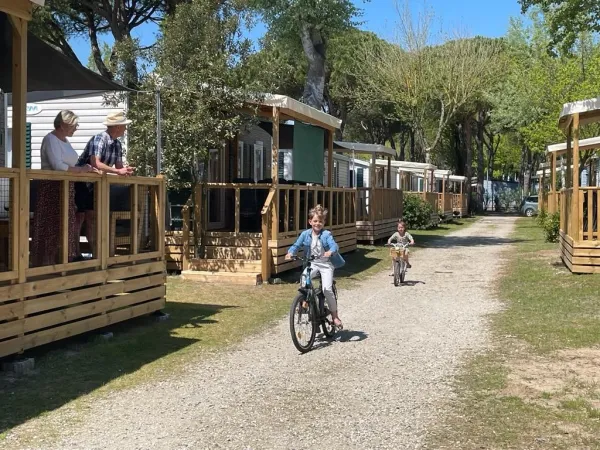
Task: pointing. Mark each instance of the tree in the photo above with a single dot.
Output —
(312, 24)
(428, 84)
(200, 63)
(59, 20)
(566, 19)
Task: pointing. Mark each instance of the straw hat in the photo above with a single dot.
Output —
(116, 118)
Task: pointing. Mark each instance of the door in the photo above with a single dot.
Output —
(216, 197)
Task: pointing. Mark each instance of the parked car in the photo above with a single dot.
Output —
(529, 206)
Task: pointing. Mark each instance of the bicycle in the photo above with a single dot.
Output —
(309, 310)
(397, 253)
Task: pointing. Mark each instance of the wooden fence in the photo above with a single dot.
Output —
(46, 299)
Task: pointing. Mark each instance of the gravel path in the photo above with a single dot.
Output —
(380, 386)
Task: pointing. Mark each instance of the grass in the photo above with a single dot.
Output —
(536, 388)
(204, 318)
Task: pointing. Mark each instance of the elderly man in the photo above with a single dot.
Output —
(105, 153)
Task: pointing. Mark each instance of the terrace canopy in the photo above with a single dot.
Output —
(47, 68)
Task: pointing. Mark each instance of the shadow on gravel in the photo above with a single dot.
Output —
(467, 241)
(342, 336)
(411, 283)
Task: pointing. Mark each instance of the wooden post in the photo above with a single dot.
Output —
(275, 176)
(102, 220)
(575, 179)
(185, 234)
(135, 217)
(237, 211)
(330, 159)
(236, 156)
(64, 220)
(552, 206)
(424, 184)
(373, 179)
(444, 194)
(19, 101)
(568, 174)
(389, 170)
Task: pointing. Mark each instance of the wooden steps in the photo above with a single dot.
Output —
(240, 278)
(247, 253)
(226, 265)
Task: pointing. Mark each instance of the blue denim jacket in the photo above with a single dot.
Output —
(329, 244)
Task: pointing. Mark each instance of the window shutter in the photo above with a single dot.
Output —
(28, 145)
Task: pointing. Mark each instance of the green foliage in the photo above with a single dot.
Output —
(567, 19)
(541, 217)
(416, 212)
(200, 63)
(551, 227)
(287, 18)
(508, 198)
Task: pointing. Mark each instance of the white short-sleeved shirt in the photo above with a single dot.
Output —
(57, 154)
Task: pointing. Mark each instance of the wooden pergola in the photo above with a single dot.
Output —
(578, 205)
(125, 275)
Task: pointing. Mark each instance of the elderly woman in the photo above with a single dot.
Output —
(56, 154)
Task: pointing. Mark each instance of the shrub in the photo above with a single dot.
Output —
(416, 212)
(541, 217)
(551, 227)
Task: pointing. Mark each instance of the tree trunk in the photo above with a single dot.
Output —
(314, 49)
(412, 145)
(403, 146)
(527, 163)
(480, 163)
(469, 159)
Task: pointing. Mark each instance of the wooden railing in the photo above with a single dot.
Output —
(433, 199)
(459, 201)
(376, 204)
(293, 202)
(589, 213)
(566, 211)
(46, 291)
(445, 202)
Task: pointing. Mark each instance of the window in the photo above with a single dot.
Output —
(360, 177)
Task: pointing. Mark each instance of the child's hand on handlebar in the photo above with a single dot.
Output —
(288, 256)
(328, 254)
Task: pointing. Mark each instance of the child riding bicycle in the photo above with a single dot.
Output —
(402, 237)
(319, 244)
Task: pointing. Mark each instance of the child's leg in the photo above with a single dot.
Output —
(326, 271)
(406, 259)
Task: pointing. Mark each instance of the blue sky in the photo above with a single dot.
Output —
(476, 17)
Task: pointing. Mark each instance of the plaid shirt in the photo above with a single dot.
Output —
(102, 146)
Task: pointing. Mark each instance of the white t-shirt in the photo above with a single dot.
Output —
(57, 154)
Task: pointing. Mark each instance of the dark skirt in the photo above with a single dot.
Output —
(46, 239)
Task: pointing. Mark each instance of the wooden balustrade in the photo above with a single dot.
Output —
(124, 278)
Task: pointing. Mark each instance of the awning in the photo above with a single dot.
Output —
(588, 110)
(407, 166)
(300, 111)
(47, 68)
(584, 144)
(358, 147)
(457, 178)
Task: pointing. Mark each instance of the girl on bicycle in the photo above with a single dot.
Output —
(319, 244)
(402, 237)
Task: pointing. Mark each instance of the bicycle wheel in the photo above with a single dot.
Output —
(302, 323)
(403, 272)
(396, 272)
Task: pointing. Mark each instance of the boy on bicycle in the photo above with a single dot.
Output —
(402, 237)
(319, 244)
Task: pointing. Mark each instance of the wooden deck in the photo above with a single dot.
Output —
(260, 222)
(579, 240)
(378, 212)
(460, 205)
(124, 278)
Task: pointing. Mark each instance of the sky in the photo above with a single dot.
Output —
(380, 17)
